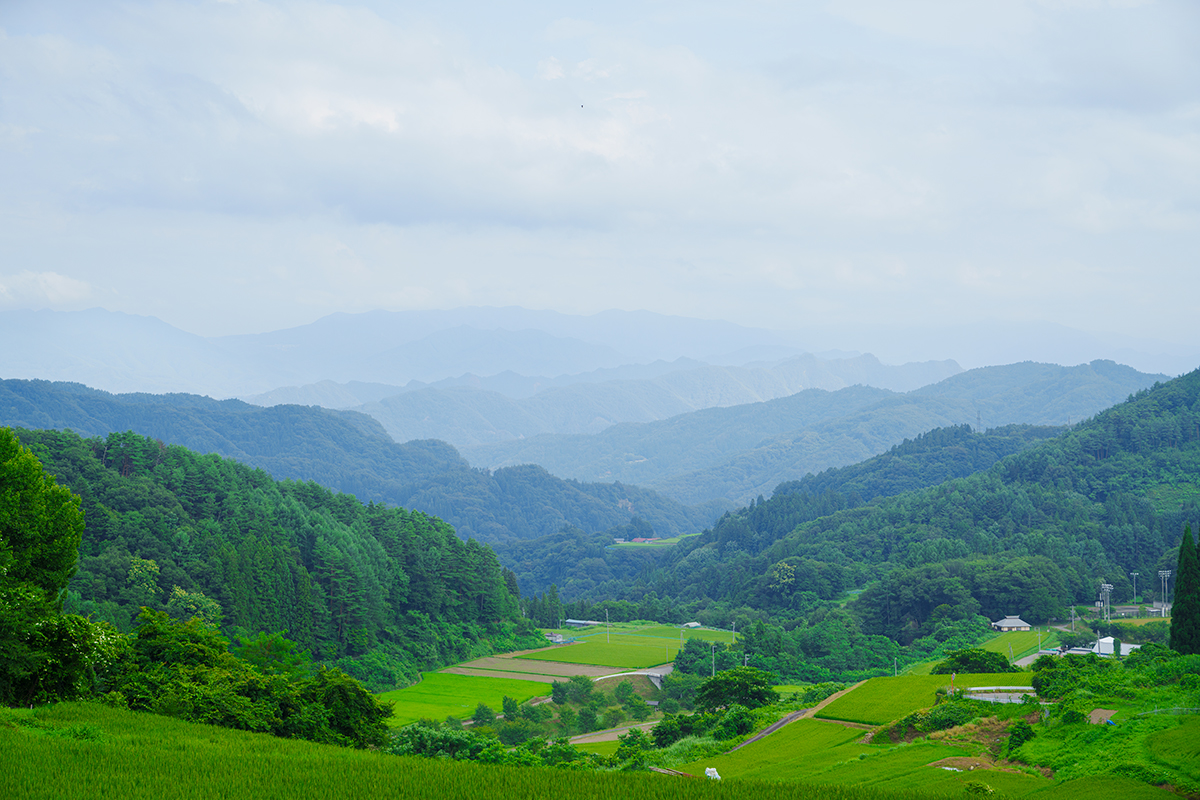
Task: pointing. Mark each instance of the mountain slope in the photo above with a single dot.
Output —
(381, 592)
(350, 452)
(1037, 531)
(738, 453)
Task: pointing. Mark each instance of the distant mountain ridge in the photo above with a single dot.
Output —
(468, 417)
(350, 452)
(738, 453)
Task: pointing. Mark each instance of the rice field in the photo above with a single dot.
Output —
(82, 751)
(883, 700)
(620, 651)
(1023, 643)
(818, 752)
(627, 646)
(440, 695)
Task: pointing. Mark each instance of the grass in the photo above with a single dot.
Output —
(670, 632)
(883, 700)
(621, 652)
(816, 752)
(1023, 643)
(147, 757)
(799, 750)
(440, 695)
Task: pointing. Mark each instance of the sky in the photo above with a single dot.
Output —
(238, 167)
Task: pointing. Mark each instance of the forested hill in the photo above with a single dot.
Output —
(740, 452)
(350, 452)
(1037, 531)
(582, 565)
(380, 592)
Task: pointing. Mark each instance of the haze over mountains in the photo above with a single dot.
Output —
(126, 353)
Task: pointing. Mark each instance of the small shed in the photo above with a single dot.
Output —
(582, 623)
(1011, 624)
(691, 624)
(1107, 645)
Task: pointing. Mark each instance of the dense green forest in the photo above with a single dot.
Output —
(380, 592)
(1036, 532)
(350, 452)
(582, 566)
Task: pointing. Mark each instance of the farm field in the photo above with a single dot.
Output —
(622, 651)
(882, 700)
(440, 695)
(1142, 620)
(819, 752)
(625, 647)
(1023, 643)
(81, 751)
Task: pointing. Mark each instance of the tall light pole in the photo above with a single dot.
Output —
(1106, 600)
(1134, 576)
(1165, 575)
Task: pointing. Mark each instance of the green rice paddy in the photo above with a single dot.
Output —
(83, 751)
(627, 647)
(882, 700)
(1023, 643)
(440, 695)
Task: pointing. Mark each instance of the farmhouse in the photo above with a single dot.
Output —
(1011, 624)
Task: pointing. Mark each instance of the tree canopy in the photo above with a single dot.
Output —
(743, 686)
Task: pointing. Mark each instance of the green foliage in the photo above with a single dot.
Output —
(348, 452)
(483, 715)
(380, 593)
(184, 670)
(974, 660)
(1185, 612)
(43, 656)
(742, 686)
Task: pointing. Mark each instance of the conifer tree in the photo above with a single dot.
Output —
(1185, 611)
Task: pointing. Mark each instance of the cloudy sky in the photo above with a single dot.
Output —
(236, 167)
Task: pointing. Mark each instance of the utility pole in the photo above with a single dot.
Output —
(1106, 600)
(607, 634)
(714, 660)
(1165, 575)
(1134, 576)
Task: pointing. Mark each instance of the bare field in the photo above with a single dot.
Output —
(491, 673)
(531, 667)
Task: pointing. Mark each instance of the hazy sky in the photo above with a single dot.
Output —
(243, 166)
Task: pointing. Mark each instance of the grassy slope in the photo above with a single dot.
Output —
(81, 751)
(882, 700)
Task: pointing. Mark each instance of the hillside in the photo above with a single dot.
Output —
(469, 415)
(741, 452)
(582, 565)
(381, 592)
(350, 452)
(1032, 534)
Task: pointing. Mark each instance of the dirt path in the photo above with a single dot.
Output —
(531, 667)
(819, 707)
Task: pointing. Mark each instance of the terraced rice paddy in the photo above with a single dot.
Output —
(626, 647)
(1023, 643)
(440, 695)
(82, 751)
(882, 700)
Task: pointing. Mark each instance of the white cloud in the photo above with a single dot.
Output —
(882, 160)
(42, 290)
